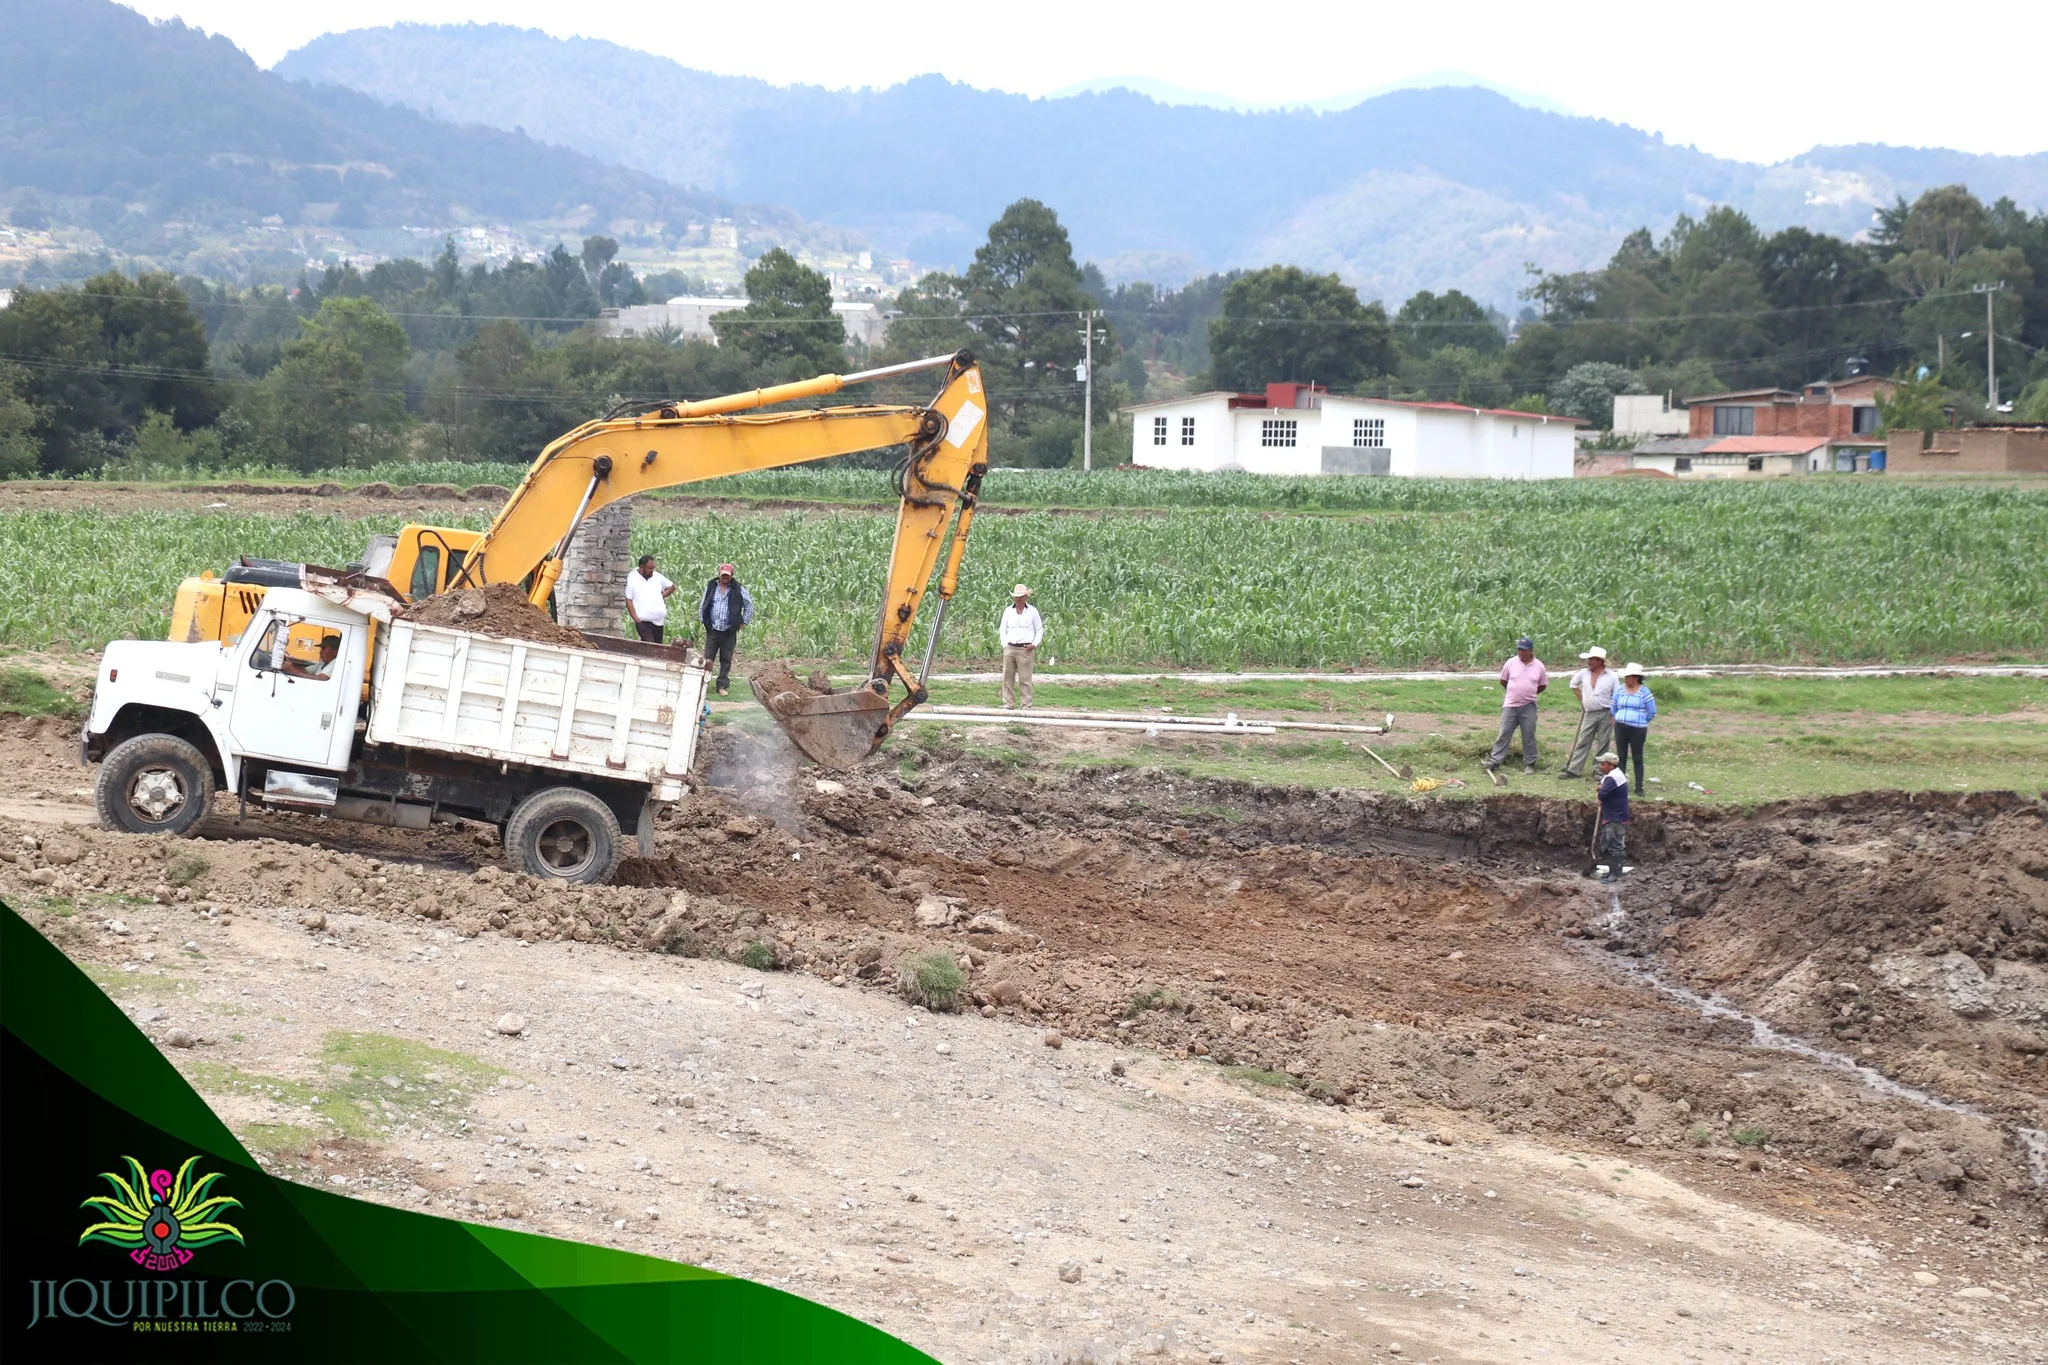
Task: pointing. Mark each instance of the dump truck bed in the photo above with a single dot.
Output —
(581, 711)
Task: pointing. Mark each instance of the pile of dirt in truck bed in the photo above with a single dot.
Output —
(499, 609)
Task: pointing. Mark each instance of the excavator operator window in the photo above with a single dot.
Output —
(456, 559)
(426, 573)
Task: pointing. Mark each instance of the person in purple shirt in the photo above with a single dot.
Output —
(1522, 678)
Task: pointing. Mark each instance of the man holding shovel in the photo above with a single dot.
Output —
(1612, 829)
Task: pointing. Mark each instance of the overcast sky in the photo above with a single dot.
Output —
(1757, 79)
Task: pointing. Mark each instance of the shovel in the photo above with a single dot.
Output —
(1404, 772)
(1593, 853)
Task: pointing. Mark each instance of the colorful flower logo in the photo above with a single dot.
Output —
(159, 1218)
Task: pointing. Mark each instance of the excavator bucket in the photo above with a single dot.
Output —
(833, 729)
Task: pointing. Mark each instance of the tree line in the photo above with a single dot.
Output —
(429, 359)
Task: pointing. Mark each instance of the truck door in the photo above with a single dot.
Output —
(296, 698)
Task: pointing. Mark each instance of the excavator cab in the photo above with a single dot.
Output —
(419, 561)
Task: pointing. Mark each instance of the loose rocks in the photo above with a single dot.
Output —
(511, 1025)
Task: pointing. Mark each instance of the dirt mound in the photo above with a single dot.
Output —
(499, 609)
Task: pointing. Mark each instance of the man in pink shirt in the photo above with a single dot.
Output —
(1523, 677)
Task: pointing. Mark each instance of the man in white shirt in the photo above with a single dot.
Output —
(1020, 631)
(647, 594)
(1593, 685)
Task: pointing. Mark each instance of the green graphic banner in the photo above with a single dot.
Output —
(136, 1227)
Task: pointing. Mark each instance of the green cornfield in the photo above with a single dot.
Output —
(1160, 488)
(1819, 570)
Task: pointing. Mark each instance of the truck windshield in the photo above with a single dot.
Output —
(297, 649)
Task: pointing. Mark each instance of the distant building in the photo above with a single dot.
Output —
(1830, 425)
(1649, 414)
(691, 317)
(1303, 429)
(1971, 450)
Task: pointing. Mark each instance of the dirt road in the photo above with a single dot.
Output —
(1391, 1070)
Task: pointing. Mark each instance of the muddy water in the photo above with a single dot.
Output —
(2032, 1142)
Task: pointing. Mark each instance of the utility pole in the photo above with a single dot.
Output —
(1088, 390)
(1990, 343)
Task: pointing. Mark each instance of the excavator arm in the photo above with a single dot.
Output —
(938, 481)
(663, 445)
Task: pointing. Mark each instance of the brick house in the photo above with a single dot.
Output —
(1971, 450)
(1841, 411)
(1828, 425)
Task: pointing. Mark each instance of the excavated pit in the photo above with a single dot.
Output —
(1443, 962)
(1421, 956)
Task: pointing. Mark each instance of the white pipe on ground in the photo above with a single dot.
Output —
(1164, 719)
(1164, 727)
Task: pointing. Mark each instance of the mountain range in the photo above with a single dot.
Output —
(1416, 188)
(128, 125)
(156, 133)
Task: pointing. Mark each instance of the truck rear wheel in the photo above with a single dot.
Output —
(565, 835)
(154, 784)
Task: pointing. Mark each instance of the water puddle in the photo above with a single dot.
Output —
(2032, 1141)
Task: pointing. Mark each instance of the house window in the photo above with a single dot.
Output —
(1158, 431)
(1277, 431)
(1682, 465)
(1735, 421)
(1756, 464)
(1865, 420)
(1187, 431)
(1369, 433)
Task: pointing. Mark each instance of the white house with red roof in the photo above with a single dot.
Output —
(1304, 429)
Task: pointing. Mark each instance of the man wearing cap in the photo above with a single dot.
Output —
(727, 606)
(1019, 631)
(1593, 685)
(647, 594)
(1522, 677)
(1613, 813)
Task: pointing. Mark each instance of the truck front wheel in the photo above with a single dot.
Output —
(565, 835)
(154, 784)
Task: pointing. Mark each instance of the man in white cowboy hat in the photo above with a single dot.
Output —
(1019, 631)
(1593, 685)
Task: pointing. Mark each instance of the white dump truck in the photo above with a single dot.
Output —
(329, 703)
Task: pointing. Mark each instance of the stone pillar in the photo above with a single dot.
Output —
(590, 596)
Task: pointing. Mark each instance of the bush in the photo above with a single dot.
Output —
(757, 955)
(24, 692)
(932, 979)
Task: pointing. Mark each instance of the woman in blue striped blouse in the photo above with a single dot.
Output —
(1634, 709)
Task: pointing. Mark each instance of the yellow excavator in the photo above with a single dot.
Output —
(647, 446)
